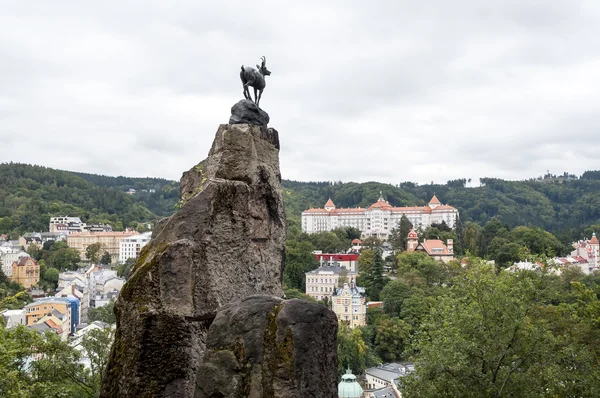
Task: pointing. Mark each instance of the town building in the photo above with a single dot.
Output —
(349, 387)
(349, 304)
(386, 375)
(110, 241)
(434, 248)
(378, 219)
(130, 247)
(13, 318)
(588, 249)
(8, 255)
(104, 285)
(70, 225)
(26, 272)
(348, 261)
(321, 283)
(79, 292)
(56, 313)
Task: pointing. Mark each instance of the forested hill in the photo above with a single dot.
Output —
(565, 205)
(29, 195)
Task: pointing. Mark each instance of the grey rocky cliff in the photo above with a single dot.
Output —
(263, 346)
(225, 243)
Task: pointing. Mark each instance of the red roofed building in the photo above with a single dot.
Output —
(437, 249)
(589, 250)
(348, 261)
(378, 219)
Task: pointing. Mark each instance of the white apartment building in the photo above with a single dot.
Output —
(321, 283)
(378, 219)
(130, 247)
(386, 375)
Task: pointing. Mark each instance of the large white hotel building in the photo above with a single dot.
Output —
(378, 219)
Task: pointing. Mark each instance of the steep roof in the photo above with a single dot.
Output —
(23, 261)
(594, 240)
(435, 201)
(412, 233)
(329, 203)
(434, 247)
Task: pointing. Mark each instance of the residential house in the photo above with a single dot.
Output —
(349, 304)
(434, 248)
(321, 283)
(386, 375)
(8, 255)
(79, 292)
(57, 313)
(12, 318)
(26, 272)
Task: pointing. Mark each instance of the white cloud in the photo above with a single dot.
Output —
(390, 91)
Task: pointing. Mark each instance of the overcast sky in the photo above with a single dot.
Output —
(387, 91)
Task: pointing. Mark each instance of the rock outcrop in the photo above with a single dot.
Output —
(263, 346)
(226, 242)
(246, 111)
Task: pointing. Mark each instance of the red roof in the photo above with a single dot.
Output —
(412, 233)
(356, 241)
(381, 204)
(433, 246)
(337, 257)
(435, 201)
(594, 240)
(329, 203)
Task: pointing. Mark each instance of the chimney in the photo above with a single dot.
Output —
(450, 245)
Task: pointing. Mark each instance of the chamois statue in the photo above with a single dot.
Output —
(255, 78)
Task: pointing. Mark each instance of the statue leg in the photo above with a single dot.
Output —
(259, 95)
(255, 96)
(246, 92)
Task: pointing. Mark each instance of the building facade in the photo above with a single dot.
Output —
(321, 283)
(8, 255)
(349, 304)
(57, 313)
(130, 247)
(110, 241)
(26, 272)
(378, 219)
(386, 375)
(434, 248)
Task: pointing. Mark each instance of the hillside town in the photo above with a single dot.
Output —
(334, 282)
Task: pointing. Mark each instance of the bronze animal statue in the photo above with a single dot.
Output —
(254, 78)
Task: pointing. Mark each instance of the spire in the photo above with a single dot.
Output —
(329, 205)
(381, 199)
(434, 200)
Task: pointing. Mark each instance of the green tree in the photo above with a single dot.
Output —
(97, 343)
(298, 261)
(393, 296)
(64, 258)
(104, 314)
(92, 252)
(371, 273)
(484, 339)
(399, 235)
(106, 258)
(391, 335)
(123, 270)
(353, 351)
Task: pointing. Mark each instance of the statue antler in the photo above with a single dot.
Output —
(264, 60)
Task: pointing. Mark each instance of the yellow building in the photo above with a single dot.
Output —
(110, 242)
(26, 272)
(49, 308)
(349, 305)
